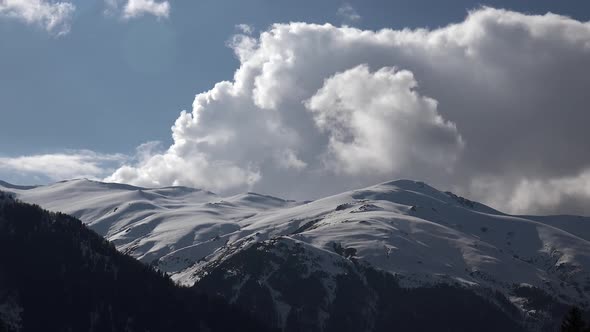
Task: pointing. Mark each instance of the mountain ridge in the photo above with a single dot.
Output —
(406, 228)
(57, 275)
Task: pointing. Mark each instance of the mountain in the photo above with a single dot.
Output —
(56, 275)
(400, 253)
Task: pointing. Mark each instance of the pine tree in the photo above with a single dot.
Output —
(573, 322)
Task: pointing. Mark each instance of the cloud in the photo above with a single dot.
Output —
(245, 28)
(348, 13)
(288, 159)
(488, 106)
(135, 8)
(524, 195)
(231, 138)
(376, 122)
(54, 17)
(59, 166)
(138, 8)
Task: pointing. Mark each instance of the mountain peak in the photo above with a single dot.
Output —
(411, 192)
(411, 185)
(404, 183)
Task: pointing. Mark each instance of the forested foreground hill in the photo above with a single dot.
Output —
(57, 275)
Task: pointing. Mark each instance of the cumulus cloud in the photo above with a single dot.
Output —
(137, 8)
(494, 106)
(59, 166)
(376, 122)
(348, 13)
(54, 17)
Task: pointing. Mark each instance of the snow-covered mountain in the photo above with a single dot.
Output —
(57, 275)
(409, 230)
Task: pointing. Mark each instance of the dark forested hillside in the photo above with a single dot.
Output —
(362, 298)
(56, 275)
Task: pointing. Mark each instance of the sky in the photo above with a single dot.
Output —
(301, 99)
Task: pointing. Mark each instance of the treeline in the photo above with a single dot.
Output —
(57, 275)
(574, 321)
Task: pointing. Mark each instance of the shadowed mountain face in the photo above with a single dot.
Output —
(420, 240)
(289, 284)
(56, 275)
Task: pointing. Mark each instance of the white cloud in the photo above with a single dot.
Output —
(376, 122)
(59, 166)
(500, 98)
(569, 194)
(288, 159)
(135, 8)
(245, 28)
(138, 8)
(243, 45)
(347, 12)
(55, 17)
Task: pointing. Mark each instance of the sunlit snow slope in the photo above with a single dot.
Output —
(408, 228)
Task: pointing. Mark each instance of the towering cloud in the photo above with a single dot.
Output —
(495, 105)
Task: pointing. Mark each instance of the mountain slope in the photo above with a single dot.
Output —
(149, 223)
(291, 284)
(421, 236)
(56, 275)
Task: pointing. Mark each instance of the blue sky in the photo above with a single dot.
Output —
(94, 91)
